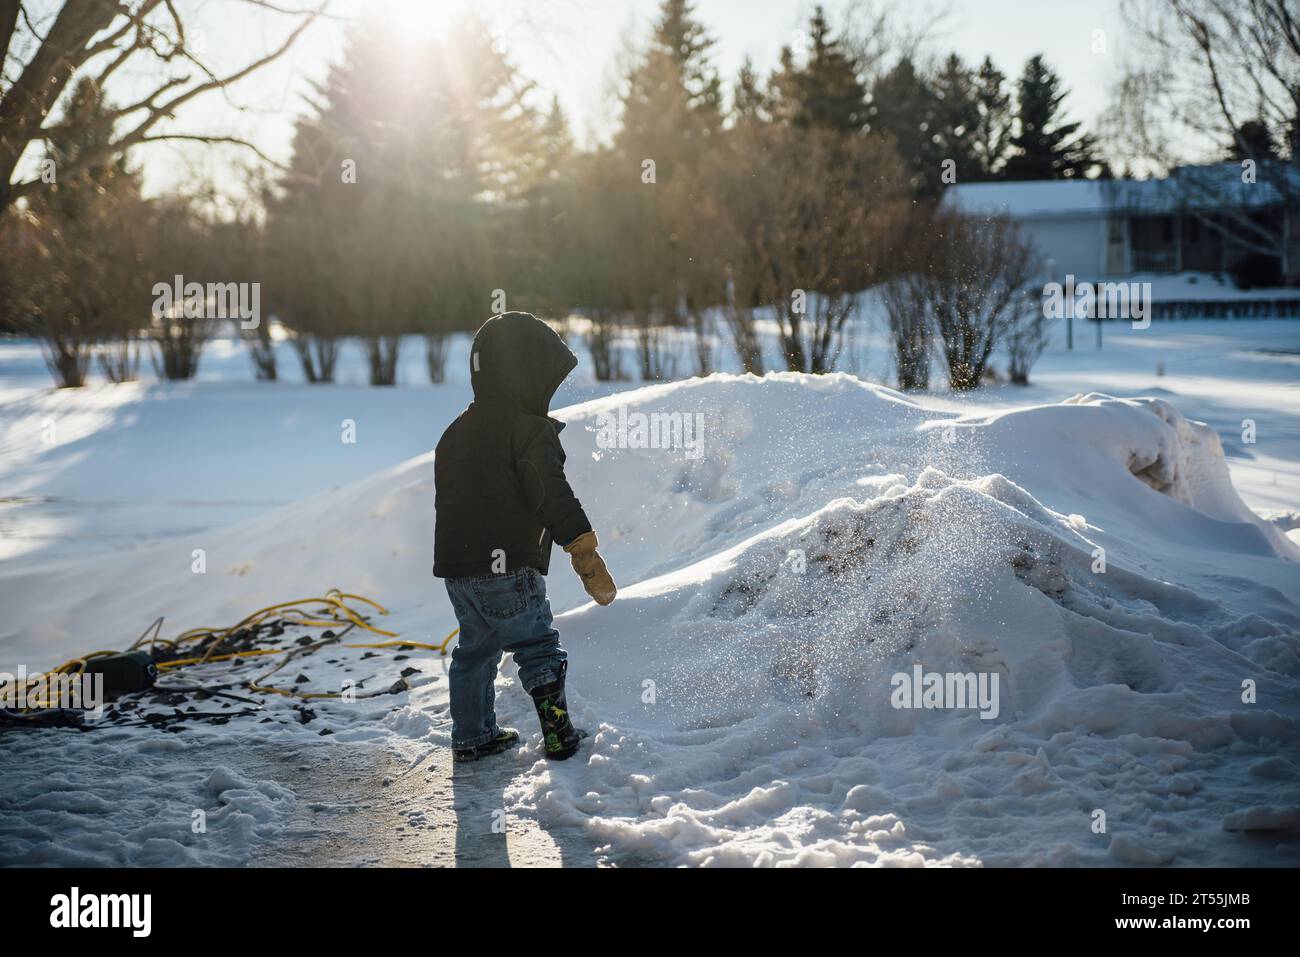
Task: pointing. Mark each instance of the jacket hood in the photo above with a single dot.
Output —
(519, 359)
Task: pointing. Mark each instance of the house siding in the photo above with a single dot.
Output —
(1074, 244)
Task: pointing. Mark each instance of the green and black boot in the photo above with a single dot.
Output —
(559, 737)
(506, 738)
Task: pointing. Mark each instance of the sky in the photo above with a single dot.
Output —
(572, 48)
(1008, 30)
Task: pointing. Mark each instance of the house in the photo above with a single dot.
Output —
(1186, 222)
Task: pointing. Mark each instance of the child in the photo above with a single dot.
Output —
(500, 499)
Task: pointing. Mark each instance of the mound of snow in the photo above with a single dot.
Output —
(826, 537)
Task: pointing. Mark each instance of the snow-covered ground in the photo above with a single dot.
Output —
(833, 534)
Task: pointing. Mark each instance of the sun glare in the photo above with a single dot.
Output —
(420, 16)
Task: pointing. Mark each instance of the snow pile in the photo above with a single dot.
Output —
(745, 700)
(1088, 561)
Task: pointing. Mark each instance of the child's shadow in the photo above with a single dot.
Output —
(478, 800)
(486, 836)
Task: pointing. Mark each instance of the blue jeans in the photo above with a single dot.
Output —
(498, 613)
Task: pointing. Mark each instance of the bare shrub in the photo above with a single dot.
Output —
(179, 246)
(906, 301)
(602, 343)
(657, 360)
(808, 208)
(1026, 341)
(119, 359)
(976, 290)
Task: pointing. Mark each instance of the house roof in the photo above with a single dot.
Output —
(1188, 187)
(1028, 199)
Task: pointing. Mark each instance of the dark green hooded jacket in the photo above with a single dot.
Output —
(499, 470)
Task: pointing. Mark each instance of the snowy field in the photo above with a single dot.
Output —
(833, 534)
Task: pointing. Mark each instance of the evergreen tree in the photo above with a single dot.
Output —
(827, 92)
(90, 228)
(749, 101)
(556, 140)
(991, 138)
(784, 93)
(545, 235)
(673, 101)
(905, 107)
(87, 127)
(393, 217)
(957, 116)
(1045, 145)
(672, 117)
(1253, 141)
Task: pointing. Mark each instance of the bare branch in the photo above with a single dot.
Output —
(215, 140)
(9, 11)
(70, 43)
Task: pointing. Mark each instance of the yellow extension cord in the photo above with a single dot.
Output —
(336, 607)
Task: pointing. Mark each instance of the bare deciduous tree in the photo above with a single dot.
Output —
(43, 48)
(1205, 73)
(977, 288)
(810, 208)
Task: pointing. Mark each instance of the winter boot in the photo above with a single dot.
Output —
(559, 737)
(506, 738)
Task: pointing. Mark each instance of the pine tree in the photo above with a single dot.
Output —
(1253, 141)
(672, 118)
(556, 140)
(86, 128)
(545, 237)
(905, 107)
(991, 138)
(401, 185)
(749, 101)
(784, 92)
(673, 102)
(1046, 146)
(91, 229)
(956, 116)
(828, 92)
